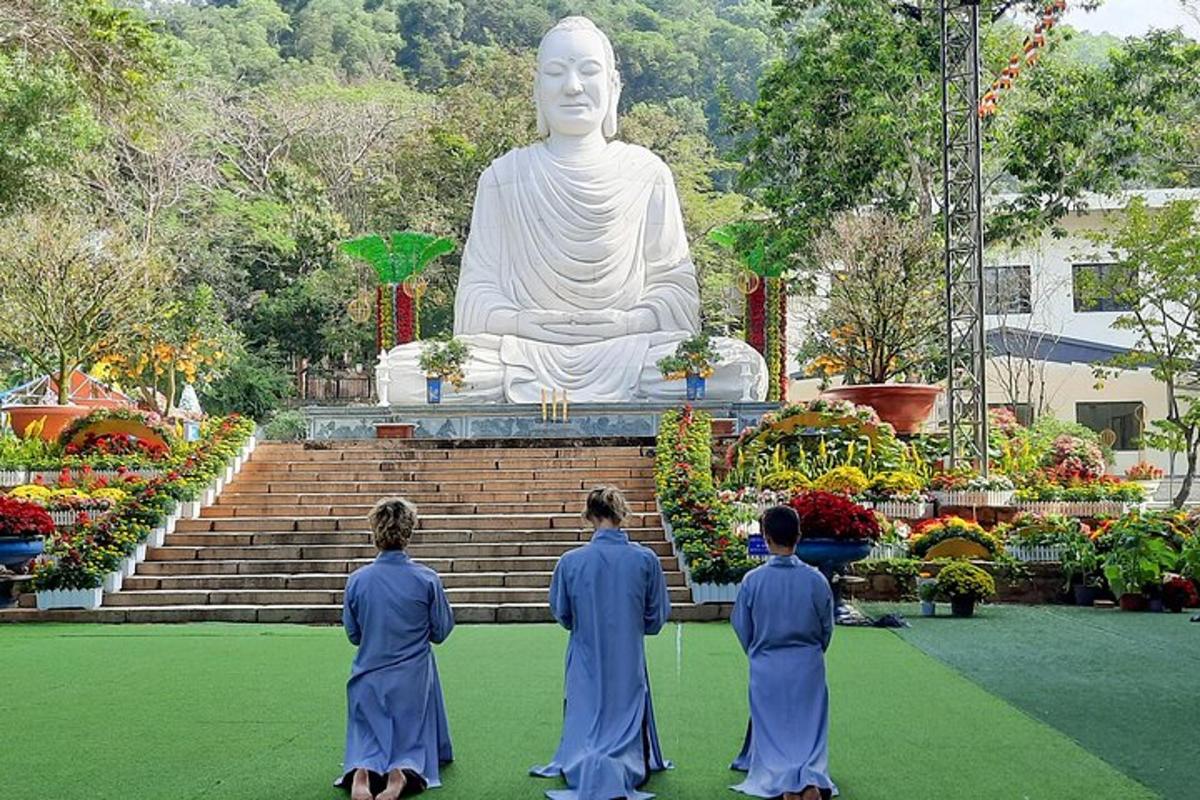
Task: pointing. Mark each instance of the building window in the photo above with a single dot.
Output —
(1119, 422)
(1006, 289)
(1022, 411)
(1092, 287)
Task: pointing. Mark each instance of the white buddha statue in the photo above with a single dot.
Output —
(576, 273)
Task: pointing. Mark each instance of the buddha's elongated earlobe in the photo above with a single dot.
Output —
(609, 126)
(543, 127)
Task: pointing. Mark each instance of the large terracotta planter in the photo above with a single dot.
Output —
(905, 405)
(57, 418)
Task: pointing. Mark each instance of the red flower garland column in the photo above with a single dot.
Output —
(405, 317)
(756, 318)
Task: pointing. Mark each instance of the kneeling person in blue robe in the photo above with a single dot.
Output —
(783, 617)
(609, 594)
(394, 608)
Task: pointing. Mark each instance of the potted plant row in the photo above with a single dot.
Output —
(967, 488)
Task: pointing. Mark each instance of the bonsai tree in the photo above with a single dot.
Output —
(445, 359)
(694, 356)
(879, 315)
(70, 292)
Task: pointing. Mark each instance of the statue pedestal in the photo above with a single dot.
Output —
(516, 421)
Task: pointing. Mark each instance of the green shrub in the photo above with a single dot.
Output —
(252, 386)
(286, 426)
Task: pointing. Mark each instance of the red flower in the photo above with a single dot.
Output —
(833, 516)
(26, 520)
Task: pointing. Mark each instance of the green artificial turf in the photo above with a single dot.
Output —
(1126, 686)
(240, 711)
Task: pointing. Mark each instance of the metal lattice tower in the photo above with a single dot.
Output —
(962, 206)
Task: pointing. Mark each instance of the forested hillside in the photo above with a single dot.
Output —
(241, 140)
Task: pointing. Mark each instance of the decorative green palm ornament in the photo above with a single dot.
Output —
(399, 264)
(766, 298)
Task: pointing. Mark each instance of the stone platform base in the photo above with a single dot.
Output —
(456, 421)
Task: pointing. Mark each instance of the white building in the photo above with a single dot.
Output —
(1045, 338)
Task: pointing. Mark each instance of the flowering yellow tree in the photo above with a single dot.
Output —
(189, 339)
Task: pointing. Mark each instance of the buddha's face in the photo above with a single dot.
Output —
(574, 83)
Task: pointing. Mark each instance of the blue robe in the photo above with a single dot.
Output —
(395, 718)
(609, 595)
(784, 619)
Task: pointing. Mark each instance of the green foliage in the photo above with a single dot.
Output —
(252, 386)
(1157, 254)
(700, 523)
(694, 356)
(963, 579)
(1136, 563)
(286, 426)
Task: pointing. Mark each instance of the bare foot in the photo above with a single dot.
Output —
(396, 783)
(810, 793)
(361, 789)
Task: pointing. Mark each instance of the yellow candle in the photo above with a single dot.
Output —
(564, 405)
(543, 405)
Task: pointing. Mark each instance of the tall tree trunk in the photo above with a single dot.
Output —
(1186, 487)
(64, 381)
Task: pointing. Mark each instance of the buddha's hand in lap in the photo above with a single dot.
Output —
(580, 327)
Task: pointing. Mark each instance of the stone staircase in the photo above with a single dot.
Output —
(283, 537)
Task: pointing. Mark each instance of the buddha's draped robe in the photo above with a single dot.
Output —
(393, 610)
(609, 594)
(783, 618)
(599, 234)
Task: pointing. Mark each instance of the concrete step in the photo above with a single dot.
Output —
(240, 506)
(213, 539)
(303, 493)
(326, 560)
(383, 448)
(428, 522)
(325, 552)
(418, 459)
(324, 614)
(287, 597)
(470, 489)
(549, 477)
(452, 580)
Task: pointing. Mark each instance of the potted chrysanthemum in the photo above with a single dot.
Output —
(964, 585)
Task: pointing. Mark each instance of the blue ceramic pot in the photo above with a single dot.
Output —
(831, 556)
(16, 552)
(696, 387)
(433, 390)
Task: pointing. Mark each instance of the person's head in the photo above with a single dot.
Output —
(577, 84)
(393, 520)
(781, 526)
(606, 507)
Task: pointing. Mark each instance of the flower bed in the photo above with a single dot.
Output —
(928, 534)
(700, 524)
(81, 558)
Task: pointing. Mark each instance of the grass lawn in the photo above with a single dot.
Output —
(239, 711)
(1125, 686)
